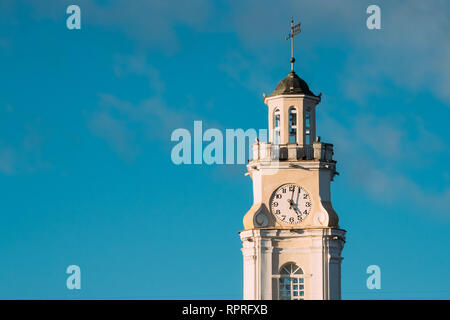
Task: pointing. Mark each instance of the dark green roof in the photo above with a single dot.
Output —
(292, 84)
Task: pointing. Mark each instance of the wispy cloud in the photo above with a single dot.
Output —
(124, 124)
(136, 64)
(149, 23)
(241, 70)
(377, 155)
(7, 160)
(114, 131)
(21, 150)
(412, 49)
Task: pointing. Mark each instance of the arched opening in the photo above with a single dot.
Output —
(291, 283)
(276, 126)
(292, 125)
(307, 128)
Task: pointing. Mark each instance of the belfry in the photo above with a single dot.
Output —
(292, 242)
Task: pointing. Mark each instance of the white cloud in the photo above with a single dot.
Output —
(21, 151)
(115, 132)
(412, 49)
(150, 23)
(123, 124)
(376, 155)
(137, 64)
(241, 70)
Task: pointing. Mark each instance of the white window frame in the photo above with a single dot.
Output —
(295, 283)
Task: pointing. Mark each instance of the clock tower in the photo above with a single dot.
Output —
(292, 242)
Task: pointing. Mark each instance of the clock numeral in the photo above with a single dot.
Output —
(283, 217)
(305, 212)
(305, 196)
(308, 204)
(284, 190)
(275, 204)
(291, 188)
(291, 219)
(277, 211)
(278, 196)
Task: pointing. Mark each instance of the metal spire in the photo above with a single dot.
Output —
(295, 29)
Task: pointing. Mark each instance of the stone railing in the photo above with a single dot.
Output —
(266, 151)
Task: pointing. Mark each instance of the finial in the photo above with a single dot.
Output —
(295, 29)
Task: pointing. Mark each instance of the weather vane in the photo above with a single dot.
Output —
(295, 29)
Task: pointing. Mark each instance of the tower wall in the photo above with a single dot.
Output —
(317, 251)
(303, 104)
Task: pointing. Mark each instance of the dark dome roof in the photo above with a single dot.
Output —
(292, 84)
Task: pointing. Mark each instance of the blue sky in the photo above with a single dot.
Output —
(86, 115)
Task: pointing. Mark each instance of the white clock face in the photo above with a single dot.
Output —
(290, 203)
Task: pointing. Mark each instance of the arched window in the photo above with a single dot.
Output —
(292, 282)
(307, 128)
(276, 126)
(292, 125)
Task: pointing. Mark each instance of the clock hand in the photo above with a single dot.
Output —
(296, 208)
(292, 198)
(299, 213)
